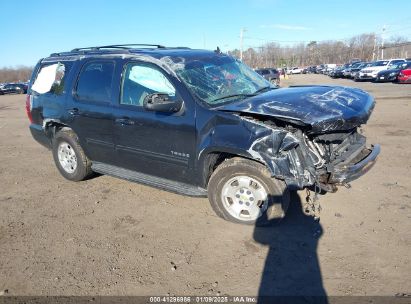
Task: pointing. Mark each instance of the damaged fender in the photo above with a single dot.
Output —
(275, 147)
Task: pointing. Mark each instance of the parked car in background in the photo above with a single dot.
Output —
(319, 69)
(347, 71)
(294, 70)
(22, 86)
(404, 75)
(272, 75)
(312, 69)
(13, 88)
(355, 72)
(392, 73)
(370, 73)
(329, 67)
(337, 73)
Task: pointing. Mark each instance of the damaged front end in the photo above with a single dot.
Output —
(302, 159)
(341, 157)
(309, 135)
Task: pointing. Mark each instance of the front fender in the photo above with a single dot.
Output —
(272, 146)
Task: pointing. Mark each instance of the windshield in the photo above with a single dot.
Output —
(356, 65)
(219, 79)
(395, 66)
(380, 63)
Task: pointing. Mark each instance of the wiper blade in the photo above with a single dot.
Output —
(263, 89)
(245, 95)
(233, 95)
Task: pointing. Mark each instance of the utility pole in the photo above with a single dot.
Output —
(241, 42)
(382, 43)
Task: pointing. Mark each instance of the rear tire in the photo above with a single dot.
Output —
(69, 157)
(243, 191)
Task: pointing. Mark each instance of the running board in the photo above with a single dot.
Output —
(154, 181)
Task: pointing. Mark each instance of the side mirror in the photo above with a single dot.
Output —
(161, 102)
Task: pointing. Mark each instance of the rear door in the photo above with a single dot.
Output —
(155, 143)
(90, 109)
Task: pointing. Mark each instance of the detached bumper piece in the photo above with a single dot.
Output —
(352, 169)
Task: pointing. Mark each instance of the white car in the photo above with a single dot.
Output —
(370, 73)
(295, 71)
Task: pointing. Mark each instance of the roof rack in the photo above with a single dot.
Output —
(117, 46)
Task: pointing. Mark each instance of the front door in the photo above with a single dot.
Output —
(155, 143)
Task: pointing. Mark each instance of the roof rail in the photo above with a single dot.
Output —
(117, 46)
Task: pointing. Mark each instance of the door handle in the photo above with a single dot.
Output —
(73, 111)
(124, 121)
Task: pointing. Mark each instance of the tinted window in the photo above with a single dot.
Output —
(396, 61)
(380, 63)
(95, 81)
(141, 80)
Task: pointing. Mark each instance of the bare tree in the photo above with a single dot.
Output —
(363, 46)
(20, 73)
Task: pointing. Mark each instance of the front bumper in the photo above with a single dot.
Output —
(365, 76)
(348, 171)
(385, 78)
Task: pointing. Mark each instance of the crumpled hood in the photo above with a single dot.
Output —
(324, 108)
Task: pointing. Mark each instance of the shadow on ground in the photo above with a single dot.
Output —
(292, 267)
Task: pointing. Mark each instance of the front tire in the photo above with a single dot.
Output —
(69, 157)
(243, 191)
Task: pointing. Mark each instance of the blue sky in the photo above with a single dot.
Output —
(40, 27)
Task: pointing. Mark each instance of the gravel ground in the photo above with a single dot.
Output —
(106, 236)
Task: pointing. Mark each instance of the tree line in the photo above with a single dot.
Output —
(17, 74)
(367, 47)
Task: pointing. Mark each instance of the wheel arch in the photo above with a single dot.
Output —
(211, 158)
(52, 126)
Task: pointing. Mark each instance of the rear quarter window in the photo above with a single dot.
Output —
(51, 78)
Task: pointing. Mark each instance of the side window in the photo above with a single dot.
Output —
(140, 80)
(96, 81)
(51, 79)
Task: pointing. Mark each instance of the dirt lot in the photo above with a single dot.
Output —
(106, 236)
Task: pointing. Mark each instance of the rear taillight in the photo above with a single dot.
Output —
(28, 108)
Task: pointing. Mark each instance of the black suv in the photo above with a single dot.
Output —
(272, 75)
(198, 123)
(13, 88)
